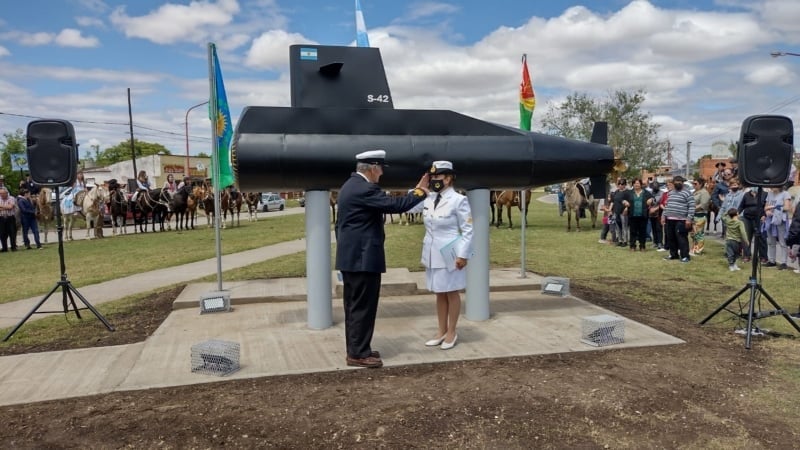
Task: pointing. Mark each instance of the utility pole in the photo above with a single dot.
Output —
(688, 155)
(130, 121)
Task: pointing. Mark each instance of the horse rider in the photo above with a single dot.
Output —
(142, 184)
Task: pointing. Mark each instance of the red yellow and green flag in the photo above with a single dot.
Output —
(527, 98)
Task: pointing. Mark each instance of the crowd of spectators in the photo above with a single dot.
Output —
(673, 218)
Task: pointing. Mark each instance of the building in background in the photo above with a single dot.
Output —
(158, 167)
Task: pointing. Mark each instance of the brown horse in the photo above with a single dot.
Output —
(44, 211)
(192, 202)
(334, 196)
(230, 202)
(251, 199)
(508, 199)
(118, 207)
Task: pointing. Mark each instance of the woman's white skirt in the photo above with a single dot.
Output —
(441, 280)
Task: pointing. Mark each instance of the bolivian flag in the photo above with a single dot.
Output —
(527, 98)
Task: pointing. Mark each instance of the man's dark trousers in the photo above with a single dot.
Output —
(678, 238)
(361, 293)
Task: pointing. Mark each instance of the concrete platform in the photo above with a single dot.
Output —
(275, 340)
(395, 282)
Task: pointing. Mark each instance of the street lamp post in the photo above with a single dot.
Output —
(777, 54)
(186, 124)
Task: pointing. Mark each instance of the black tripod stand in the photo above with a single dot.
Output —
(755, 288)
(64, 284)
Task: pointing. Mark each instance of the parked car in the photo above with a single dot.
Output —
(272, 201)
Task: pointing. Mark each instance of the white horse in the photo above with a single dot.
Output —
(91, 203)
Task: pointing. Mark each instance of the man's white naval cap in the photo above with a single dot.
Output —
(372, 157)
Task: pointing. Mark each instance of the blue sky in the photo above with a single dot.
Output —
(704, 64)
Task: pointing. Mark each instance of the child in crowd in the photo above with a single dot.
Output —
(608, 222)
(735, 237)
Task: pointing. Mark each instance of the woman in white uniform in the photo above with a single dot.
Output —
(445, 249)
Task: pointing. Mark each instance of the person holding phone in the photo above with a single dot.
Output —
(677, 219)
(446, 247)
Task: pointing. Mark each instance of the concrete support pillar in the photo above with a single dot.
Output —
(477, 304)
(318, 260)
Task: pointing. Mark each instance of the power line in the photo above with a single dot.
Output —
(91, 122)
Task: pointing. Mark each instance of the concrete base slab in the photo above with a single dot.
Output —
(275, 340)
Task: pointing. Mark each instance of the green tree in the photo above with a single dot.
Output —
(13, 143)
(122, 151)
(631, 132)
(203, 155)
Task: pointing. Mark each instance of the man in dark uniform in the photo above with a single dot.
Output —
(359, 250)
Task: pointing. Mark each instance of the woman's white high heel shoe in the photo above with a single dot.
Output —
(449, 345)
(435, 342)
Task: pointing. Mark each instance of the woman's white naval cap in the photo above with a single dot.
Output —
(442, 167)
(372, 157)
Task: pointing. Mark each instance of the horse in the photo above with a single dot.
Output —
(91, 201)
(206, 197)
(251, 199)
(712, 208)
(179, 204)
(577, 197)
(192, 202)
(492, 204)
(44, 211)
(230, 201)
(70, 208)
(93, 205)
(333, 197)
(118, 207)
(509, 199)
(155, 201)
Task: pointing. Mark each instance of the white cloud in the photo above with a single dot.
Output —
(420, 10)
(627, 76)
(172, 23)
(70, 37)
(4, 51)
(97, 6)
(270, 51)
(34, 39)
(126, 77)
(783, 15)
(88, 22)
(772, 74)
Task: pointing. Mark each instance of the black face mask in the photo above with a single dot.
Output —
(678, 186)
(436, 185)
(734, 189)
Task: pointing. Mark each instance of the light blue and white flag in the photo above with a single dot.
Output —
(362, 40)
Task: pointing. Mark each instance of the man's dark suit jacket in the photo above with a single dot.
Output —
(359, 224)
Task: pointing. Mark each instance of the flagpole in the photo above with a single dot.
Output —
(523, 207)
(215, 169)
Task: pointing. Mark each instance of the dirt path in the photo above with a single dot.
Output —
(709, 393)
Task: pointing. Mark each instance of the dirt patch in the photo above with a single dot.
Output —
(699, 395)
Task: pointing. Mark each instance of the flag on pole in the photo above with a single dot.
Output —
(362, 40)
(221, 118)
(527, 98)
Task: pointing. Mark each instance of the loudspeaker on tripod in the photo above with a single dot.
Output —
(765, 150)
(52, 152)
